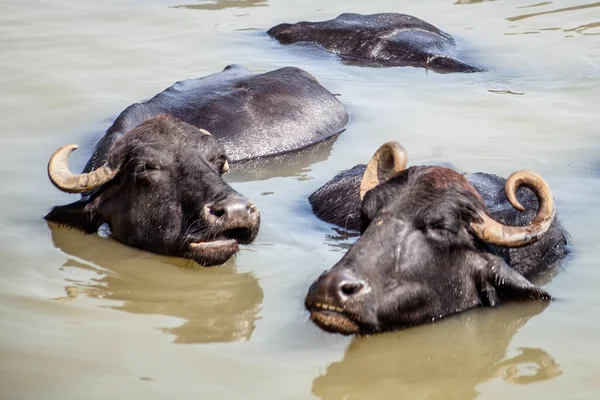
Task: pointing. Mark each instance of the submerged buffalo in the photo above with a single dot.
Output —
(155, 176)
(433, 243)
(381, 40)
(252, 115)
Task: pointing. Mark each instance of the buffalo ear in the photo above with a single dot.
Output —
(82, 214)
(498, 283)
(388, 161)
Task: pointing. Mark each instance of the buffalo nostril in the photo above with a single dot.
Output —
(350, 288)
(231, 208)
(217, 210)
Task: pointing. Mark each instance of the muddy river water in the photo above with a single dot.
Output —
(85, 317)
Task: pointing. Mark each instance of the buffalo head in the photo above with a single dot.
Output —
(160, 190)
(426, 249)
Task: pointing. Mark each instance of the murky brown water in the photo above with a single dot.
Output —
(84, 317)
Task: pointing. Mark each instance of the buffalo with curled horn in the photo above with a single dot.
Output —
(160, 189)
(155, 176)
(391, 159)
(65, 180)
(433, 242)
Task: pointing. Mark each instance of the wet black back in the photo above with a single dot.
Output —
(252, 115)
(388, 39)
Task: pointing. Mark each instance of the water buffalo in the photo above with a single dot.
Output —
(252, 115)
(392, 40)
(155, 176)
(433, 243)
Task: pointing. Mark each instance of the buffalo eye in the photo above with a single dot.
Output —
(143, 170)
(437, 223)
(442, 229)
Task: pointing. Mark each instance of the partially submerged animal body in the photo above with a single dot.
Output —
(155, 176)
(380, 40)
(252, 115)
(161, 190)
(433, 243)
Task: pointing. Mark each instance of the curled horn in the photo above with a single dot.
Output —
(65, 180)
(388, 160)
(494, 232)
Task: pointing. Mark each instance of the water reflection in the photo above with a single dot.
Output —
(223, 4)
(218, 304)
(544, 3)
(446, 360)
(505, 92)
(457, 65)
(470, 1)
(583, 28)
(574, 8)
(296, 164)
(341, 240)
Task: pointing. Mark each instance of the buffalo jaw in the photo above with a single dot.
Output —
(332, 319)
(209, 253)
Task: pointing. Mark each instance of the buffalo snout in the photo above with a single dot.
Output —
(332, 298)
(237, 217)
(231, 209)
(336, 288)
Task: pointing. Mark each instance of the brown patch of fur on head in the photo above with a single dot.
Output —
(445, 178)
